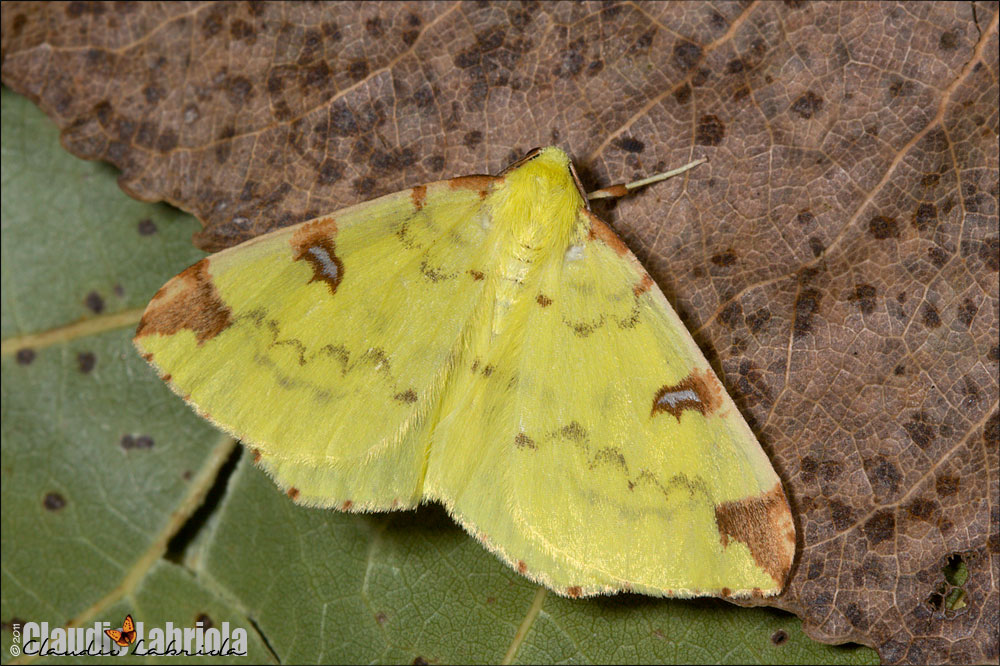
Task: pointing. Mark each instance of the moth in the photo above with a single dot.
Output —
(488, 343)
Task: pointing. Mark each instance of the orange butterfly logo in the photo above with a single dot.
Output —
(124, 636)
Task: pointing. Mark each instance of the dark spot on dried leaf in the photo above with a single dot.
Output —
(240, 30)
(53, 501)
(374, 27)
(937, 256)
(751, 385)
(686, 54)
(967, 312)
(979, 202)
(841, 515)
(900, 87)
(630, 145)
(153, 94)
(885, 478)
(864, 297)
(883, 227)
(922, 508)
(816, 246)
(570, 61)
(731, 314)
(435, 163)
(683, 94)
(167, 141)
(806, 305)
(808, 104)
(329, 172)
(830, 469)
(930, 316)
(420, 661)
(805, 216)
(815, 570)
(392, 160)
(989, 253)
(358, 69)
(991, 432)
(929, 181)
(724, 259)
(410, 37)
(17, 25)
(808, 467)
(757, 320)
(899, 370)
(25, 356)
(472, 139)
(318, 75)
(780, 637)
(710, 131)
(855, 616)
(949, 39)
(211, 25)
(86, 361)
(644, 42)
(880, 527)
(925, 215)
(947, 485)
(364, 186)
(94, 302)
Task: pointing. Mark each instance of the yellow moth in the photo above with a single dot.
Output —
(488, 343)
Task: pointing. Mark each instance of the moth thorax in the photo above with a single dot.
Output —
(539, 203)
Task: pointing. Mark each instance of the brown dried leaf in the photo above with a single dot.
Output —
(838, 257)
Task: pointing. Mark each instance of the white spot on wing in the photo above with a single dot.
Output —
(484, 219)
(324, 258)
(574, 252)
(673, 398)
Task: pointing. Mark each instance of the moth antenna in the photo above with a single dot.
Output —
(621, 190)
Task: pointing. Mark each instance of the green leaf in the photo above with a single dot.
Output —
(104, 471)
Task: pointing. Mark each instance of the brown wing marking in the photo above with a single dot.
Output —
(314, 242)
(699, 391)
(189, 301)
(764, 524)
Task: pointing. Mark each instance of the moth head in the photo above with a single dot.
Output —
(541, 193)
